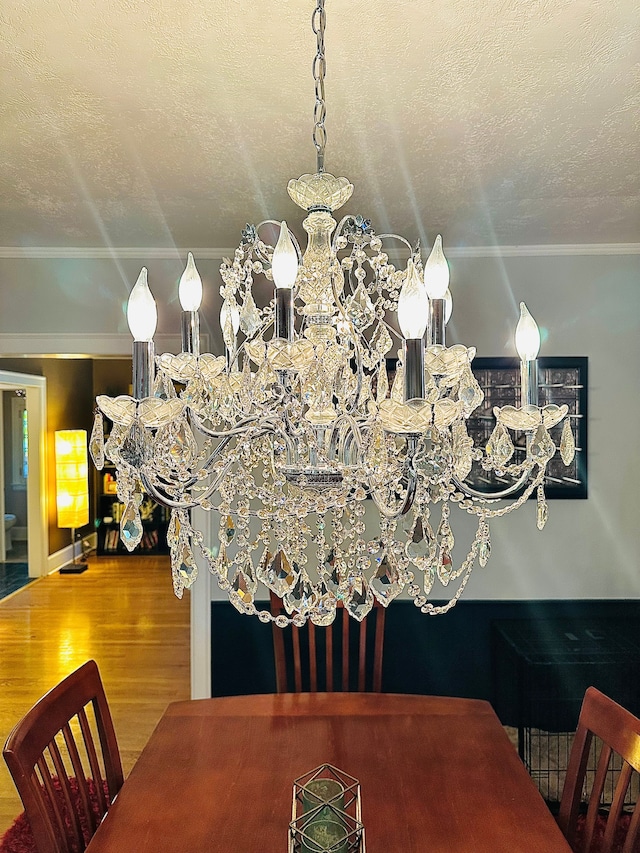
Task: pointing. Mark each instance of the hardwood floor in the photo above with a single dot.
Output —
(122, 613)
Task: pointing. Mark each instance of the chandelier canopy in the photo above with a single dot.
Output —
(298, 429)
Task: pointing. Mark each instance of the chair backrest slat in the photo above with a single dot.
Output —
(49, 813)
(96, 773)
(362, 655)
(345, 650)
(622, 785)
(303, 651)
(72, 821)
(78, 771)
(329, 660)
(313, 664)
(633, 833)
(619, 731)
(377, 655)
(64, 799)
(297, 664)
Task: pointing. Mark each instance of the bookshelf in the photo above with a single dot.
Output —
(155, 520)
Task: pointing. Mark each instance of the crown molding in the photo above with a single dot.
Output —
(150, 253)
(82, 345)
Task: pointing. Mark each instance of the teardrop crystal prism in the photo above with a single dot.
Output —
(397, 389)
(469, 393)
(359, 598)
(278, 573)
(360, 309)
(484, 546)
(421, 547)
(542, 509)
(229, 530)
(386, 584)
(131, 525)
(96, 442)
(445, 535)
(173, 530)
(136, 446)
(542, 447)
(229, 321)
(250, 319)
(429, 578)
(567, 444)
(445, 567)
(302, 597)
(382, 388)
(243, 591)
(381, 340)
(324, 612)
(163, 387)
(500, 447)
(183, 562)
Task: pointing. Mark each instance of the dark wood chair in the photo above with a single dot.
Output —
(619, 732)
(310, 659)
(67, 777)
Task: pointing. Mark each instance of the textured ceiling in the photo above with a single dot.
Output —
(162, 122)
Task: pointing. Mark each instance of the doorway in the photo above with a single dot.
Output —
(28, 439)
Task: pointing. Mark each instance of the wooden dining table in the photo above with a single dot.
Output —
(437, 775)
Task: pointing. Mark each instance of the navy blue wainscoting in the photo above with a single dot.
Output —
(440, 655)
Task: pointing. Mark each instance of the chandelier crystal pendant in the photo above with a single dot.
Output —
(331, 482)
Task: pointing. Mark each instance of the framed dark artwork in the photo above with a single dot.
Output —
(561, 380)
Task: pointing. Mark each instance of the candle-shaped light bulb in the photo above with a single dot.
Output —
(527, 335)
(190, 287)
(436, 272)
(285, 260)
(413, 305)
(448, 306)
(142, 314)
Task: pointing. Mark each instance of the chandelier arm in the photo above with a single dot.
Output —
(341, 439)
(338, 232)
(162, 498)
(172, 503)
(469, 491)
(240, 429)
(397, 237)
(291, 234)
(408, 499)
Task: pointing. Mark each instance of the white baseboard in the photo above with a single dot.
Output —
(65, 555)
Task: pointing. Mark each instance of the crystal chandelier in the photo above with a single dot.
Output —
(332, 481)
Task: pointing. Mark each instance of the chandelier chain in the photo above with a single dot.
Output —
(318, 24)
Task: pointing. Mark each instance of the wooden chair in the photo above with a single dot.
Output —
(310, 654)
(619, 732)
(66, 778)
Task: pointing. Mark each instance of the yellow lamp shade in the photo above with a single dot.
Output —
(72, 487)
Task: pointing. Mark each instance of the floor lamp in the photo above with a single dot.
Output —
(72, 487)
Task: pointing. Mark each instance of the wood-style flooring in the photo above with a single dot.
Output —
(122, 613)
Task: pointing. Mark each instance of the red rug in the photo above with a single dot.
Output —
(598, 833)
(19, 839)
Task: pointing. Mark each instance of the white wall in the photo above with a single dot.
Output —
(585, 304)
